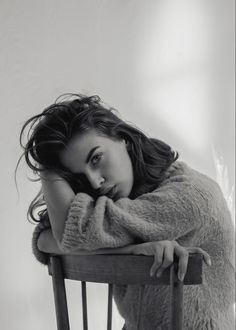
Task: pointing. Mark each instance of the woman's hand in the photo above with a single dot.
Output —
(163, 252)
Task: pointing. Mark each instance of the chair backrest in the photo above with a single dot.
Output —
(118, 269)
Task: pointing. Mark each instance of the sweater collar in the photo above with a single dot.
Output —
(173, 169)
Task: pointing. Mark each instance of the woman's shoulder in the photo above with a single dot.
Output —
(180, 171)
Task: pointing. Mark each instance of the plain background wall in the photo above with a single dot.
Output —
(167, 66)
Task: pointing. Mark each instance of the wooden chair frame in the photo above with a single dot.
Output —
(118, 269)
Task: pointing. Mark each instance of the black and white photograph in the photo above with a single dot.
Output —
(117, 165)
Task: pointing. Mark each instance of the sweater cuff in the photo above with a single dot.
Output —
(42, 257)
(75, 232)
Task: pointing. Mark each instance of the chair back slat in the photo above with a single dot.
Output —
(109, 309)
(84, 305)
(59, 294)
(140, 306)
(176, 299)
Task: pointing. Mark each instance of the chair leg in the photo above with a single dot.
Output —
(84, 305)
(109, 310)
(140, 305)
(59, 294)
(176, 299)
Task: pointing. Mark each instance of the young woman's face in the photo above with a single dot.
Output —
(105, 163)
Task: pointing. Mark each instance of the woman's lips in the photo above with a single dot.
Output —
(112, 192)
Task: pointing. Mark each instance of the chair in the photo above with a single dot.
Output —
(118, 269)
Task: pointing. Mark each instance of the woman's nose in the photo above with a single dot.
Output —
(96, 180)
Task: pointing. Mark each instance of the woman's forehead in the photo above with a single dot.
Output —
(87, 140)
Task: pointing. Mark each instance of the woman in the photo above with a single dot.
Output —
(109, 188)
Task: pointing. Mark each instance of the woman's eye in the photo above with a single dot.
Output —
(96, 158)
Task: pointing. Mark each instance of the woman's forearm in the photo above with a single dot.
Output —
(48, 244)
(58, 196)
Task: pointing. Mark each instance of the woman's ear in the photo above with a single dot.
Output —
(127, 144)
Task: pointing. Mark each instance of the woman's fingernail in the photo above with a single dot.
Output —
(209, 262)
(158, 275)
(181, 277)
(151, 273)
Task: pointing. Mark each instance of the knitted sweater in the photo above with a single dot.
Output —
(188, 207)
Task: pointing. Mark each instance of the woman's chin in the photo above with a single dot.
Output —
(119, 195)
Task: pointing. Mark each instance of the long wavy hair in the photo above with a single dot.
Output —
(72, 114)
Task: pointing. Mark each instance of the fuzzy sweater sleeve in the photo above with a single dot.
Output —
(167, 213)
(44, 224)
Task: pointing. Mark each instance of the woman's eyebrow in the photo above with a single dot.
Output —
(91, 153)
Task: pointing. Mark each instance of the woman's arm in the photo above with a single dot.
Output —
(168, 213)
(58, 196)
(48, 244)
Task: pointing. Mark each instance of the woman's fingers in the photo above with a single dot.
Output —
(183, 255)
(168, 258)
(158, 259)
(163, 258)
(163, 253)
(206, 256)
